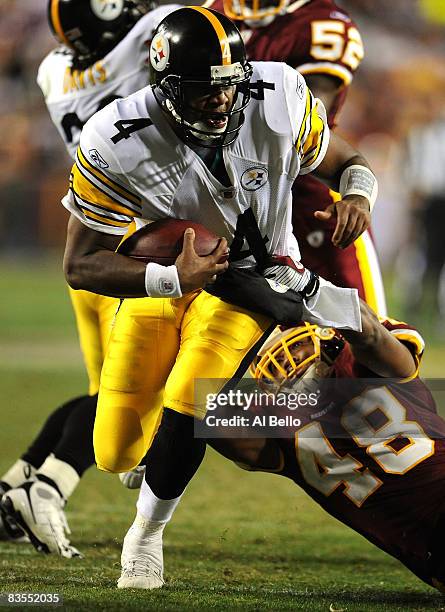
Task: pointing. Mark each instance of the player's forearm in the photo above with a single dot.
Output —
(106, 273)
(339, 155)
(90, 263)
(378, 350)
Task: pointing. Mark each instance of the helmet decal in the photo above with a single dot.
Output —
(226, 58)
(55, 20)
(107, 9)
(159, 52)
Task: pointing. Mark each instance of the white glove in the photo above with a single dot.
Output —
(287, 272)
(333, 306)
(323, 303)
(133, 479)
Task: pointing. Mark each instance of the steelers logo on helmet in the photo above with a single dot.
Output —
(159, 52)
(107, 9)
(254, 178)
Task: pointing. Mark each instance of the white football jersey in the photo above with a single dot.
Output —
(131, 165)
(73, 96)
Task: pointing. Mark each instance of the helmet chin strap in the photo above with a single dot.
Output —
(197, 127)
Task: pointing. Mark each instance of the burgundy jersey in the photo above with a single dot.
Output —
(373, 456)
(315, 37)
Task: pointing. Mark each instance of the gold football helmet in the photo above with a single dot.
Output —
(254, 10)
(304, 351)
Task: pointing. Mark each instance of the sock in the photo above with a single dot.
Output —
(150, 530)
(75, 444)
(153, 509)
(62, 474)
(50, 433)
(18, 473)
(174, 456)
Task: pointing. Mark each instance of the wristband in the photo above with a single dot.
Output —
(162, 281)
(359, 180)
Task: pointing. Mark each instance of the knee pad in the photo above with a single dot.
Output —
(119, 450)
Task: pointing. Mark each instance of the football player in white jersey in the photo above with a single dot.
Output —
(196, 145)
(104, 56)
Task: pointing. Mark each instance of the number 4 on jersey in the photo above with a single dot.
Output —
(247, 229)
(126, 127)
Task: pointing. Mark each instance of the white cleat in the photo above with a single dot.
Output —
(9, 530)
(38, 509)
(142, 559)
(134, 478)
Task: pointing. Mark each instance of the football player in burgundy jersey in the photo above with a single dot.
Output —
(371, 452)
(322, 42)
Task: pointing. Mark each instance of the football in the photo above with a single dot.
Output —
(161, 241)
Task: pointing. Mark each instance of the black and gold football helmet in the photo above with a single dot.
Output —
(91, 28)
(195, 49)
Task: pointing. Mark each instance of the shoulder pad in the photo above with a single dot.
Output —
(287, 101)
(102, 139)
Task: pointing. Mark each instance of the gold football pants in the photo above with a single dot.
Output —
(157, 349)
(94, 316)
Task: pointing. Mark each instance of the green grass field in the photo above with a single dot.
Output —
(237, 541)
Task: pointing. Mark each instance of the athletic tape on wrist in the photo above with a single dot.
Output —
(359, 180)
(162, 281)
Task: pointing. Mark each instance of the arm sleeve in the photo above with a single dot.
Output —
(410, 338)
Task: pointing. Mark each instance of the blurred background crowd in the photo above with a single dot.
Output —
(395, 114)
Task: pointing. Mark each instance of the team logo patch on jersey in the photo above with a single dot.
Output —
(315, 239)
(159, 52)
(254, 178)
(107, 9)
(97, 158)
(277, 287)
